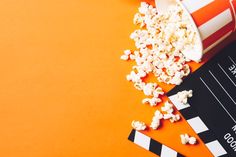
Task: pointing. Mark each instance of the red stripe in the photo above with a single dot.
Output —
(217, 35)
(206, 13)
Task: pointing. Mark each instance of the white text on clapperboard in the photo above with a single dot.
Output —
(232, 69)
(230, 140)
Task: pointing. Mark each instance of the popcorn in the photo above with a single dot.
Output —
(134, 77)
(142, 73)
(144, 8)
(186, 70)
(152, 101)
(156, 120)
(175, 118)
(192, 140)
(127, 52)
(162, 41)
(162, 44)
(158, 114)
(167, 116)
(168, 108)
(139, 85)
(139, 20)
(157, 92)
(124, 57)
(155, 124)
(185, 139)
(184, 95)
(149, 88)
(176, 79)
(132, 57)
(137, 125)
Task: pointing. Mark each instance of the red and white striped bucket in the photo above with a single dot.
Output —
(214, 19)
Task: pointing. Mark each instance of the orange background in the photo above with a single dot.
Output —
(63, 91)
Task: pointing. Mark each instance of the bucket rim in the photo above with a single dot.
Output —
(199, 56)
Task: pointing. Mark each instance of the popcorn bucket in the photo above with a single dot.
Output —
(214, 20)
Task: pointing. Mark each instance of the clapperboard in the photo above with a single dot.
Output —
(211, 111)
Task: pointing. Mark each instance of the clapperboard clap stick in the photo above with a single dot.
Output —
(152, 145)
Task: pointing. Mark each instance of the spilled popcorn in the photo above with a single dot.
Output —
(168, 108)
(183, 96)
(162, 42)
(185, 139)
(126, 54)
(156, 120)
(137, 125)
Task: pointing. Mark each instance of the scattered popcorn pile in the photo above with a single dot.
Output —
(137, 125)
(161, 43)
(156, 120)
(185, 139)
(168, 108)
(184, 95)
(151, 89)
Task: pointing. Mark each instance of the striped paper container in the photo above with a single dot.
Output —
(214, 19)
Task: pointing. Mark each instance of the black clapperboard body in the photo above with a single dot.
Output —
(211, 111)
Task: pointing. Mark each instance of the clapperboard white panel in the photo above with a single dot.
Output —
(211, 111)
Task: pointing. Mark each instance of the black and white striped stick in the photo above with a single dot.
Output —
(151, 145)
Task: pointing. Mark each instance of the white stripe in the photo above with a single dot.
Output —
(193, 6)
(178, 104)
(234, 13)
(197, 124)
(218, 100)
(217, 42)
(216, 148)
(222, 86)
(167, 152)
(232, 60)
(142, 140)
(216, 23)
